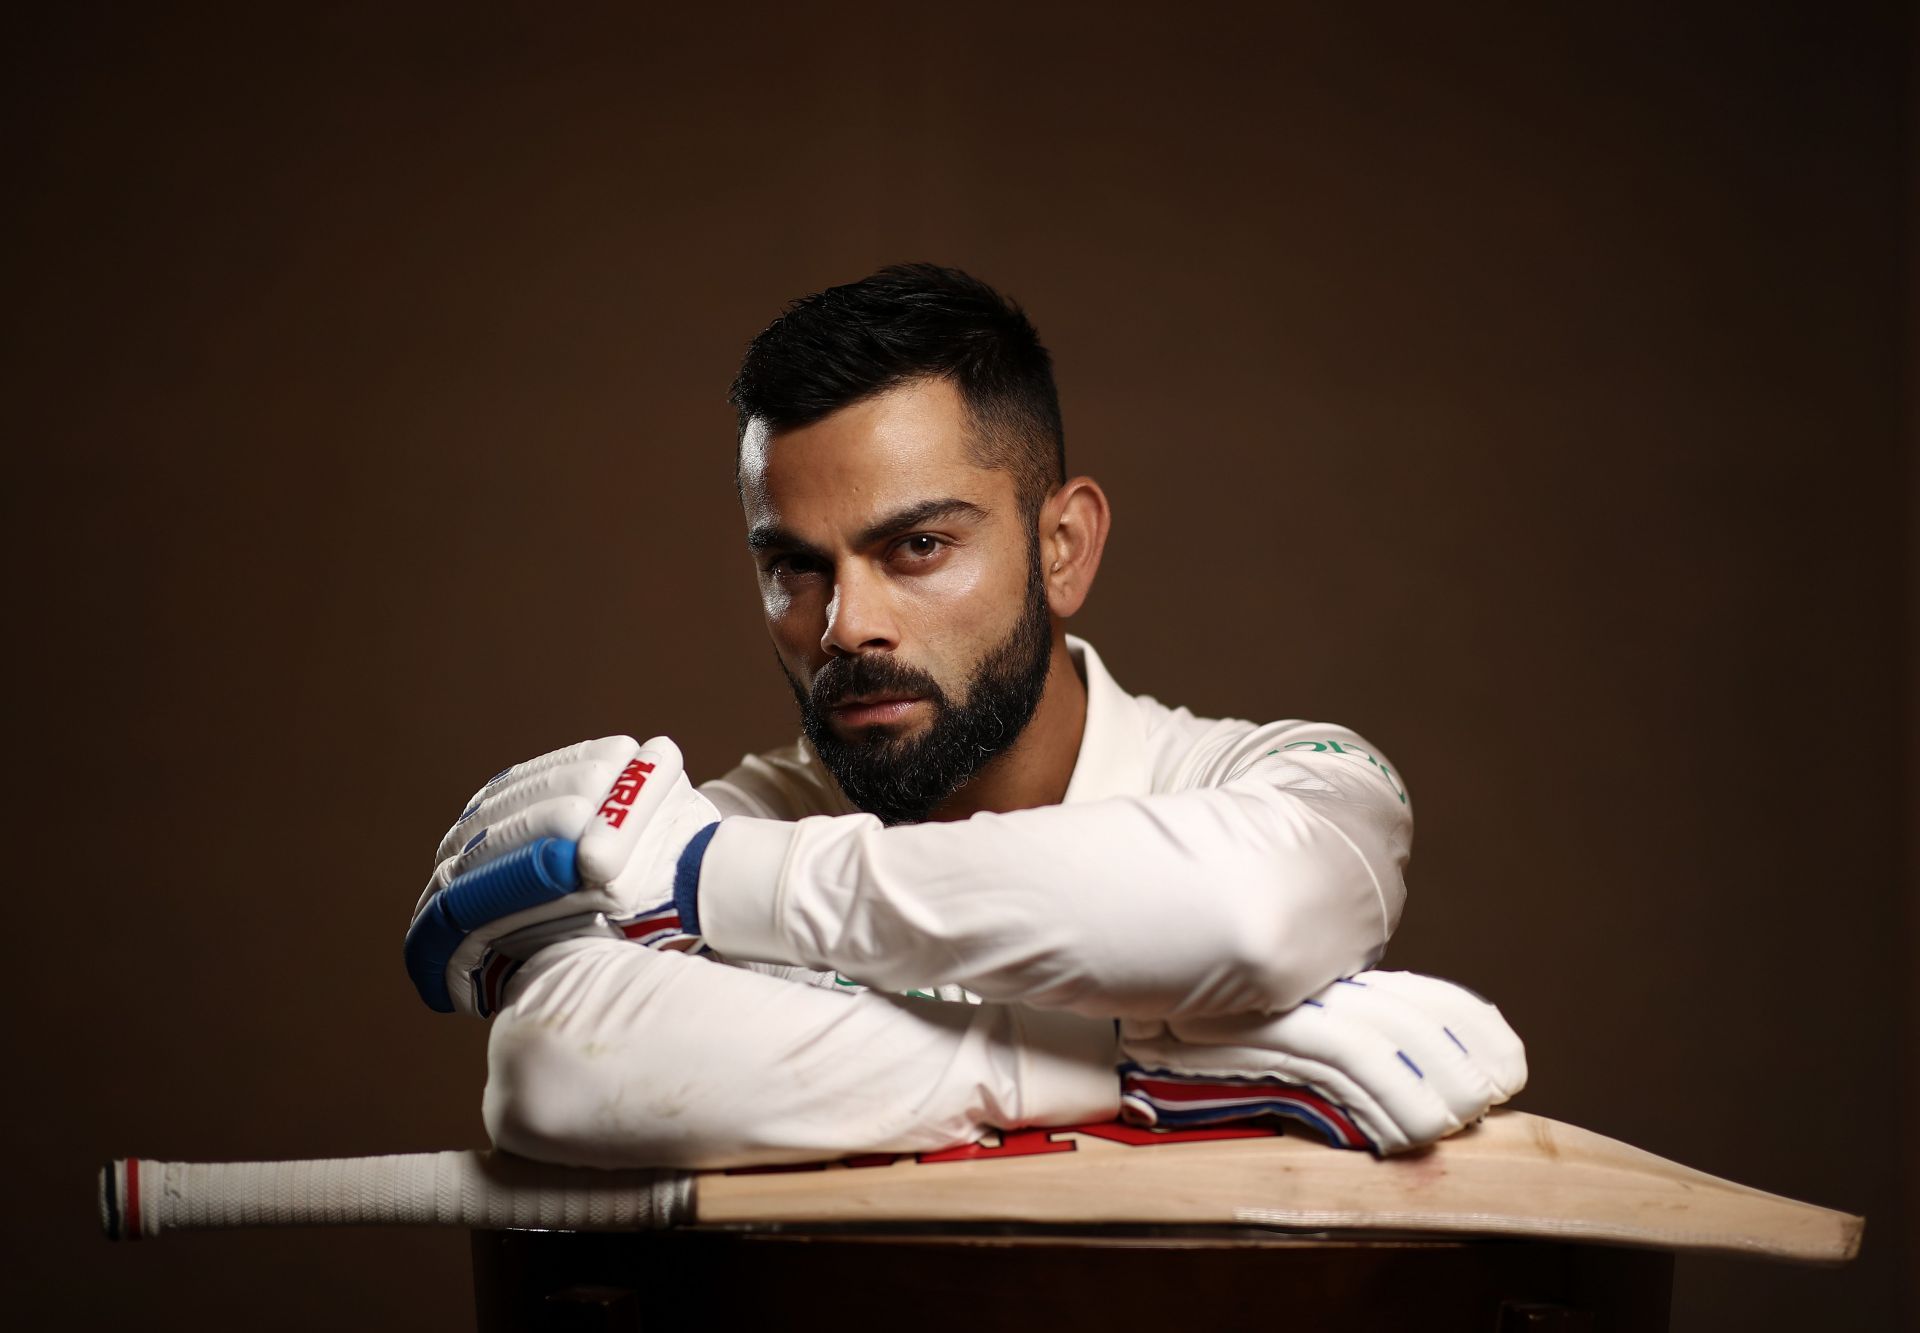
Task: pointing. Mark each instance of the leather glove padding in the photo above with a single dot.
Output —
(1382, 1060)
(592, 833)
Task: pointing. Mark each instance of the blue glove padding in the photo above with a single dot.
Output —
(541, 872)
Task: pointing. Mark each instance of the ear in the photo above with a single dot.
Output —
(1073, 533)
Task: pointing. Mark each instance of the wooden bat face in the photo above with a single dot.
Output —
(1515, 1174)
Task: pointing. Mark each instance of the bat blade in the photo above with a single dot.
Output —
(1513, 1175)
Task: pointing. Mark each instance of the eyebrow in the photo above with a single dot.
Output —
(773, 537)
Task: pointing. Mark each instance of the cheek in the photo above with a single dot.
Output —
(795, 622)
(967, 606)
(993, 586)
(961, 582)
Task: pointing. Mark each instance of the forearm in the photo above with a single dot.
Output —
(610, 1055)
(1241, 898)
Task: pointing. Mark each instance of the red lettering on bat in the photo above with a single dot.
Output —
(1013, 1143)
(626, 790)
(1036, 1142)
(1138, 1136)
(1032, 1142)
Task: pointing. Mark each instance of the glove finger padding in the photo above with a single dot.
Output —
(1421, 1080)
(558, 817)
(647, 778)
(585, 770)
(593, 832)
(1476, 1027)
(1394, 1051)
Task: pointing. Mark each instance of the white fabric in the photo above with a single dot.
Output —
(1196, 868)
(609, 1055)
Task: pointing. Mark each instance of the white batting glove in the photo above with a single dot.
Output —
(1386, 1061)
(592, 839)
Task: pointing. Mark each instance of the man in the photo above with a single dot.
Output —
(924, 920)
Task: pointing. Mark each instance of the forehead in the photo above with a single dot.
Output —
(867, 459)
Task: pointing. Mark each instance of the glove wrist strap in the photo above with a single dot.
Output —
(686, 878)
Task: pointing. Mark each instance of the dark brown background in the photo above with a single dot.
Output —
(1525, 388)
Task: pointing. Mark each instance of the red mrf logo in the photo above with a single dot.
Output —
(626, 790)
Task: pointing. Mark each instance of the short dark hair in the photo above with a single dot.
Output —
(907, 322)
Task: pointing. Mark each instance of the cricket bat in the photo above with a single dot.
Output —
(1512, 1175)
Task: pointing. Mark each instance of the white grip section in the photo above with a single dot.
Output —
(455, 1189)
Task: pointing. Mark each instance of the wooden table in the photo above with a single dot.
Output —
(981, 1279)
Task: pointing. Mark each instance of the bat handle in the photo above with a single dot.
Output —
(140, 1197)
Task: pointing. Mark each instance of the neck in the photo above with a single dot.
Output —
(1036, 768)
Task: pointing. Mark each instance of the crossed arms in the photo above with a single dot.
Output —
(1218, 907)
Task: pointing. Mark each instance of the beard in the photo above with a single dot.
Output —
(903, 779)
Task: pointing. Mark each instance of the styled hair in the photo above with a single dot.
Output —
(909, 322)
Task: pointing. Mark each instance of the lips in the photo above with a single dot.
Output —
(874, 710)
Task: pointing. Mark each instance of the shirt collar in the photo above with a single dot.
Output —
(1113, 746)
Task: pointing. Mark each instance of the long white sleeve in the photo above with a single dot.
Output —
(613, 1055)
(1276, 869)
(1195, 868)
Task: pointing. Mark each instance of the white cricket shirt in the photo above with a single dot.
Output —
(1194, 868)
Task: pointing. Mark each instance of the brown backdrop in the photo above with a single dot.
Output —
(1523, 389)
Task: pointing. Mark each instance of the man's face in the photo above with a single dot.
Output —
(902, 588)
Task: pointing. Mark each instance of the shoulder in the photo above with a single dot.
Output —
(788, 783)
(1183, 751)
(1226, 751)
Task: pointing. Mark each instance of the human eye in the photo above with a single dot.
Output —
(788, 566)
(919, 548)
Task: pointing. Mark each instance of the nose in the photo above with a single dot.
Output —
(860, 616)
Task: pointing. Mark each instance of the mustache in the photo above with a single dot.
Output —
(870, 674)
